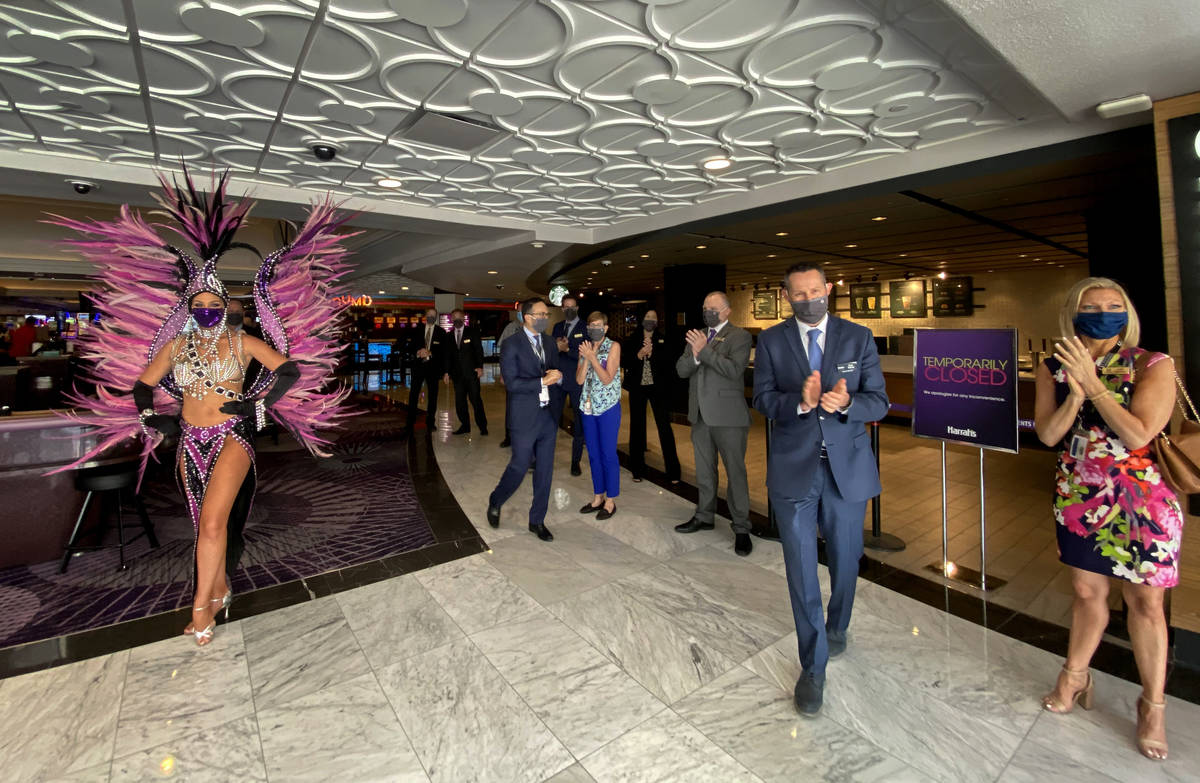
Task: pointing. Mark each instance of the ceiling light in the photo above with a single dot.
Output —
(1021, 256)
(388, 182)
(781, 233)
(770, 255)
(633, 266)
(493, 272)
(717, 164)
(1037, 259)
(701, 247)
(538, 244)
(851, 245)
(403, 288)
(841, 282)
(1128, 105)
(645, 255)
(601, 293)
(381, 292)
(904, 255)
(878, 218)
(942, 275)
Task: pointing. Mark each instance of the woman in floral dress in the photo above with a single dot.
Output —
(1102, 399)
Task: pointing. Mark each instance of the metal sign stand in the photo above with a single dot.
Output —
(951, 570)
(874, 537)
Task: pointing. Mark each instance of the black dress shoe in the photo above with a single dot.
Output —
(463, 430)
(575, 469)
(810, 693)
(493, 515)
(606, 514)
(504, 444)
(542, 532)
(742, 544)
(483, 432)
(837, 642)
(692, 525)
(590, 509)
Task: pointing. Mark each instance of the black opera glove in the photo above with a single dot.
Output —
(143, 398)
(286, 376)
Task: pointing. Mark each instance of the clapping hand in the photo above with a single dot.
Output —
(563, 345)
(812, 391)
(422, 353)
(551, 377)
(1079, 366)
(697, 340)
(836, 398)
(586, 351)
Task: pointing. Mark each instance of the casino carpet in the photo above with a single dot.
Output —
(310, 516)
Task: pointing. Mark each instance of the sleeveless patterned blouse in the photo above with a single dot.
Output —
(602, 396)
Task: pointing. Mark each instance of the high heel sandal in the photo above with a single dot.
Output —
(205, 636)
(1084, 697)
(1145, 745)
(224, 602)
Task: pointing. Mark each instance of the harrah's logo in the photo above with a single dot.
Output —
(960, 369)
(961, 432)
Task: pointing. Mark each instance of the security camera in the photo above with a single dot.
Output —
(81, 187)
(500, 286)
(606, 262)
(324, 150)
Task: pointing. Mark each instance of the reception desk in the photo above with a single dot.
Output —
(40, 510)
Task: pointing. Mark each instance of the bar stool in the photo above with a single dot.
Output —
(107, 479)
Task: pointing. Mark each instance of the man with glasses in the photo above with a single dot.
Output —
(529, 365)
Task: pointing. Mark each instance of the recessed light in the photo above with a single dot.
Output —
(781, 233)
(878, 218)
(770, 255)
(538, 244)
(942, 275)
(1021, 256)
(851, 245)
(381, 292)
(841, 282)
(645, 255)
(701, 247)
(633, 266)
(493, 272)
(1037, 259)
(388, 182)
(716, 164)
(403, 288)
(904, 255)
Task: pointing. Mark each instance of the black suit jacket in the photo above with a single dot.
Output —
(570, 357)
(467, 357)
(440, 347)
(662, 361)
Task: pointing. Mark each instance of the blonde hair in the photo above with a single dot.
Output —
(1066, 319)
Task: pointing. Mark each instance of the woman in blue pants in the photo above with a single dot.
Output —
(599, 376)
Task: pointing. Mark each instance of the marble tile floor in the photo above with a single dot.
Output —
(622, 651)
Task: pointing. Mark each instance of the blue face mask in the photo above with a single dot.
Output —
(1100, 326)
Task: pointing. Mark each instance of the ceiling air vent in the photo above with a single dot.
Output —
(449, 132)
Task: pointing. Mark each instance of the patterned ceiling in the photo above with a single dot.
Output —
(586, 114)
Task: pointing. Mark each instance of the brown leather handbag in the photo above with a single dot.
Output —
(1179, 454)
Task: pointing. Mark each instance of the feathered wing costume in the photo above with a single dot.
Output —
(144, 299)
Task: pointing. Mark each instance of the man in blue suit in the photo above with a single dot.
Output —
(529, 366)
(568, 334)
(817, 377)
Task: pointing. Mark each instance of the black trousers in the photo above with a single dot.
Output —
(661, 406)
(468, 387)
(421, 374)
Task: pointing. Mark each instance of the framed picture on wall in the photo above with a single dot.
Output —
(953, 296)
(766, 305)
(866, 300)
(907, 298)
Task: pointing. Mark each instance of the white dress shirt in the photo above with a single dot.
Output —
(718, 327)
(823, 325)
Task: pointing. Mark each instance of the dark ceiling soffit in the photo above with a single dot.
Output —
(987, 221)
(1141, 135)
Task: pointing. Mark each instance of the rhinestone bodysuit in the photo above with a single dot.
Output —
(199, 368)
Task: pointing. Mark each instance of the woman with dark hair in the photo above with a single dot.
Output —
(1102, 400)
(599, 379)
(649, 370)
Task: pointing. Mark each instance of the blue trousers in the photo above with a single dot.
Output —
(530, 446)
(841, 525)
(600, 434)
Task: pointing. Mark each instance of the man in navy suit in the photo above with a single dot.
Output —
(817, 377)
(529, 364)
(568, 334)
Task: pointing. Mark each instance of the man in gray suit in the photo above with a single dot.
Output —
(714, 363)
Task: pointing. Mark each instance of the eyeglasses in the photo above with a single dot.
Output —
(539, 315)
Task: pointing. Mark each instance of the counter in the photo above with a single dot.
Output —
(41, 509)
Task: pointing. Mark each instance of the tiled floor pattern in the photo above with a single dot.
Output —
(622, 651)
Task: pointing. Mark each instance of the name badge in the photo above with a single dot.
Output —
(847, 367)
(1078, 448)
(660, 342)
(1117, 370)
(466, 340)
(576, 335)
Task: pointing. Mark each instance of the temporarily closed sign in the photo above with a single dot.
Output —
(965, 386)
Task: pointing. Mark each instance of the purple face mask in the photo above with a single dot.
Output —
(208, 317)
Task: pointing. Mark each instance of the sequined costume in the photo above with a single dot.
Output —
(144, 296)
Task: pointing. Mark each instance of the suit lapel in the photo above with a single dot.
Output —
(792, 334)
(833, 328)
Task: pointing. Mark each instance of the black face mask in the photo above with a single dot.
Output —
(570, 313)
(234, 319)
(595, 335)
(712, 318)
(649, 326)
(811, 311)
(458, 323)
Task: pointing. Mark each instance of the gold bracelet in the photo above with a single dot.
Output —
(1093, 397)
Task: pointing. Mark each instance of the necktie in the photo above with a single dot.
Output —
(814, 349)
(541, 354)
(711, 334)
(428, 336)
(458, 337)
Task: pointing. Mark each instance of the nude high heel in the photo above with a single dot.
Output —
(1155, 750)
(1084, 697)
